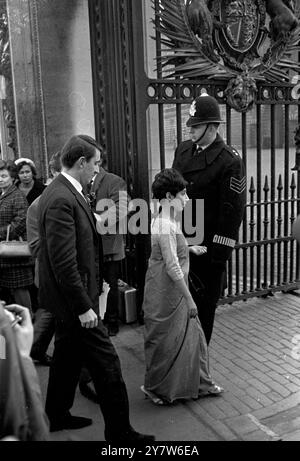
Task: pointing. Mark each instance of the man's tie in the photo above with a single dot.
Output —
(198, 150)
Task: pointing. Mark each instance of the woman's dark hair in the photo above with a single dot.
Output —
(167, 180)
(78, 146)
(33, 169)
(10, 167)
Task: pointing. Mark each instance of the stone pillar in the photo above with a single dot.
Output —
(27, 82)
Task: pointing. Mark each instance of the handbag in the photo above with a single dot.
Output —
(14, 248)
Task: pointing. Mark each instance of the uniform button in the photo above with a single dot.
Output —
(191, 183)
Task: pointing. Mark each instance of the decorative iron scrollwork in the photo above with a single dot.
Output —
(229, 39)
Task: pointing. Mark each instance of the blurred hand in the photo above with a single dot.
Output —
(192, 308)
(89, 319)
(198, 250)
(23, 330)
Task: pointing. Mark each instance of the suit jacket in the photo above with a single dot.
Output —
(110, 186)
(216, 175)
(70, 252)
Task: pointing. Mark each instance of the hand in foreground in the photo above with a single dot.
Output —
(23, 330)
(192, 308)
(89, 319)
(198, 250)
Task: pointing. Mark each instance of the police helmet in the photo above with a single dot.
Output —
(204, 109)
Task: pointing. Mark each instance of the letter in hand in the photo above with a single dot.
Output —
(198, 250)
(89, 319)
(23, 328)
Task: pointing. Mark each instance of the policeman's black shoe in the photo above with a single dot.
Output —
(129, 436)
(87, 391)
(45, 359)
(69, 422)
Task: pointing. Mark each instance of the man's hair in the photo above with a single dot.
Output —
(55, 162)
(167, 180)
(78, 146)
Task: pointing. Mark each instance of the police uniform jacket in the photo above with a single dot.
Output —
(216, 175)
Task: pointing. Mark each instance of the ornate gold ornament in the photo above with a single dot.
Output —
(244, 42)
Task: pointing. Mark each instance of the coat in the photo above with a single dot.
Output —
(13, 208)
(36, 191)
(108, 186)
(70, 252)
(216, 175)
(21, 406)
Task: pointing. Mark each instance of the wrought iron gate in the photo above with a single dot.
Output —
(266, 258)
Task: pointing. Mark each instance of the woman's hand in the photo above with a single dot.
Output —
(23, 330)
(192, 308)
(198, 250)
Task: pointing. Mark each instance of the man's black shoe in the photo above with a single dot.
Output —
(113, 329)
(88, 392)
(42, 359)
(129, 436)
(69, 422)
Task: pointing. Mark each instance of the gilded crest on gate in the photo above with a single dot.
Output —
(241, 20)
(230, 39)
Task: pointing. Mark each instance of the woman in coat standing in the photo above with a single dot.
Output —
(26, 180)
(16, 274)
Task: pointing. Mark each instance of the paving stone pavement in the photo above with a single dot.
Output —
(254, 355)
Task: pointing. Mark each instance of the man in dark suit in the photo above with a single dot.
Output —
(110, 188)
(70, 258)
(216, 174)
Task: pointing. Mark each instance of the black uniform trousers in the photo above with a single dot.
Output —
(75, 347)
(206, 300)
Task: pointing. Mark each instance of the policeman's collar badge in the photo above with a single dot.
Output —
(193, 109)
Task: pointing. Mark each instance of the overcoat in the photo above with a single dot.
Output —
(216, 175)
(14, 272)
(70, 252)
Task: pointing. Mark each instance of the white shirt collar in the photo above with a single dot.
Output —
(74, 182)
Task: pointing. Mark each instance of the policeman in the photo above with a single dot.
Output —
(215, 173)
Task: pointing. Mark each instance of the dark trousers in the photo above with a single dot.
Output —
(111, 276)
(44, 328)
(76, 346)
(212, 287)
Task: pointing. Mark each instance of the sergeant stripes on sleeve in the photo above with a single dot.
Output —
(238, 185)
(224, 241)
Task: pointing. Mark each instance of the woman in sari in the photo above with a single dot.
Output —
(175, 346)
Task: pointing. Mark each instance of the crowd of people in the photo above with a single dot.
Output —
(71, 257)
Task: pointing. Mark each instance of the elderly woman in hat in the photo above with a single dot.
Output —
(27, 182)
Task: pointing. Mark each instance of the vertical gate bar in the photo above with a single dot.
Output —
(159, 76)
(266, 228)
(161, 128)
(258, 197)
(297, 277)
(237, 268)
(245, 220)
(286, 192)
(279, 224)
(157, 40)
(252, 225)
(292, 219)
(229, 264)
(273, 186)
(178, 123)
